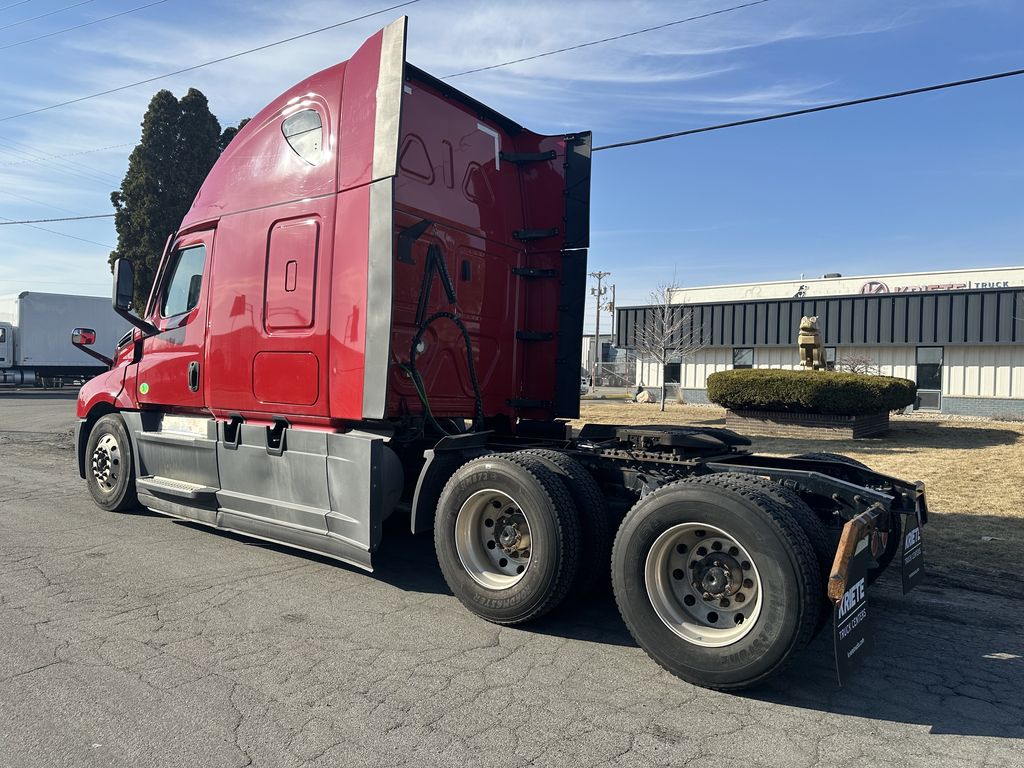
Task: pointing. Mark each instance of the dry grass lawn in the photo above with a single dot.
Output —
(973, 472)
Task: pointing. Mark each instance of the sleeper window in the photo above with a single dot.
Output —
(304, 133)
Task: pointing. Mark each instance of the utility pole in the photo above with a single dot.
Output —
(598, 293)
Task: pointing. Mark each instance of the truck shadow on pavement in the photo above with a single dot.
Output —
(936, 663)
(956, 672)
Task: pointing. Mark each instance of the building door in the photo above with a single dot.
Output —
(929, 378)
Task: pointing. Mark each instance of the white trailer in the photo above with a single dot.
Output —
(35, 336)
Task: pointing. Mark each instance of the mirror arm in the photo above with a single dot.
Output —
(93, 353)
(147, 329)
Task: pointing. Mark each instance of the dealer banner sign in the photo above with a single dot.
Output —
(851, 633)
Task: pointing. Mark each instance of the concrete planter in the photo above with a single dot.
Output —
(814, 425)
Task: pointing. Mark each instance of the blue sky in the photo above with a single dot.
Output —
(928, 182)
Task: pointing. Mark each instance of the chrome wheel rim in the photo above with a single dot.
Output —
(106, 463)
(493, 539)
(703, 585)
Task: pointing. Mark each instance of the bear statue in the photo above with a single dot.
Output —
(809, 341)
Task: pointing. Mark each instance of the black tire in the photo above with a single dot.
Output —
(596, 531)
(825, 456)
(822, 544)
(553, 528)
(785, 563)
(110, 465)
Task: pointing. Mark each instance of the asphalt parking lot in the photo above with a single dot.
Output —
(133, 639)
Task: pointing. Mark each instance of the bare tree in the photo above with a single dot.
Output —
(858, 364)
(666, 334)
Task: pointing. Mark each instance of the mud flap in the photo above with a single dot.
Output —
(912, 563)
(851, 632)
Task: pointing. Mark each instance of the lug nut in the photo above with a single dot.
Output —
(716, 545)
(740, 597)
(702, 551)
(706, 595)
(748, 583)
(724, 602)
(745, 565)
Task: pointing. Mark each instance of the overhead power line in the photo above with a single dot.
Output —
(44, 15)
(811, 110)
(52, 158)
(206, 63)
(79, 26)
(8, 222)
(14, 5)
(607, 39)
(55, 232)
(74, 167)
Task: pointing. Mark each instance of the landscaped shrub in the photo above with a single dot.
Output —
(764, 389)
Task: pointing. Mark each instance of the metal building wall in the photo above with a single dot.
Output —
(927, 318)
(968, 371)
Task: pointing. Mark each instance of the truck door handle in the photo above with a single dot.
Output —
(193, 376)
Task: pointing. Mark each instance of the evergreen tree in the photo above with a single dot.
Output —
(230, 132)
(142, 216)
(180, 142)
(197, 150)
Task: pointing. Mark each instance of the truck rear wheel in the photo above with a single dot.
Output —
(596, 531)
(812, 526)
(716, 581)
(110, 465)
(507, 538)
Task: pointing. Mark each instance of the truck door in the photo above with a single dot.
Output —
(172, 369)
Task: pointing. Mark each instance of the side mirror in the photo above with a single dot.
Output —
(83, 337)
(124, 285)
(124, 292)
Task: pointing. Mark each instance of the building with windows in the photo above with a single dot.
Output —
(959, 334)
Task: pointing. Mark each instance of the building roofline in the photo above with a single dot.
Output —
(847, 277)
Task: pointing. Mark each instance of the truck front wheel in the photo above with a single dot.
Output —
(717, 582)
(109, 465)
(507, 538)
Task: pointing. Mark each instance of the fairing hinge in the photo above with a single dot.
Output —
(534, 336)
(407, 237)
(534, 234)
(531, 272)
(522, 158)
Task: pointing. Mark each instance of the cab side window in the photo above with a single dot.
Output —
(185, 282)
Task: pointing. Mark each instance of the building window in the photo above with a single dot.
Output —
(3, 335)
(671, 373)
(743, 357)
(304, 133)
(929, 378)
(830, 358)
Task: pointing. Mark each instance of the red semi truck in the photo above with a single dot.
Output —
(373, 308)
